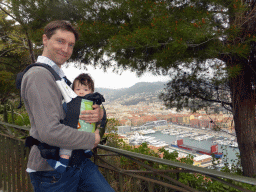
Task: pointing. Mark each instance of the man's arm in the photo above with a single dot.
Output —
(43, 102)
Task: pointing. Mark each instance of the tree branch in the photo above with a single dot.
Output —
(196, 45)
(6, 51)
(250, 17)
(9, 14)
(216, 101)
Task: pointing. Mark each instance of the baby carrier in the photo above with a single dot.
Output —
(73, 103)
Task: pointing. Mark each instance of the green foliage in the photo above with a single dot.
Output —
(153, 35)
(167, 155)
(160, 34)
(111, 126)
(13, 55)
(19, 119)
(144, 149)
(188, 160)
(21, 29)
(16, 117)
(234, 71)
(7, 85)
(198, 92)
(113, 140)
(235, 165)
(127, 163)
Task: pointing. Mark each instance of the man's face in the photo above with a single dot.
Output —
(80, 89)
(59, 47)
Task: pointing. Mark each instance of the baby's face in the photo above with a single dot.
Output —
(81, 90)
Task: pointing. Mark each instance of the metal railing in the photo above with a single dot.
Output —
(124, 170)
(167, 181)
(13, 160)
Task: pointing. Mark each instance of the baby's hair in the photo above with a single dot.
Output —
(84, 79)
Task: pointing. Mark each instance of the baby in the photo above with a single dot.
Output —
(83, 85)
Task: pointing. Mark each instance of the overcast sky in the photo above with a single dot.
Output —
(112, 80)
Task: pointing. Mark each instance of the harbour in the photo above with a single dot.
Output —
(195, 138)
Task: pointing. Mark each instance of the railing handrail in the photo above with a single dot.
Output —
(191, 168)
(15, 126)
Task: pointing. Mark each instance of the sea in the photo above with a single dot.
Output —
(229, 153)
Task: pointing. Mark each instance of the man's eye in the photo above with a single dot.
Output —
(71, 45)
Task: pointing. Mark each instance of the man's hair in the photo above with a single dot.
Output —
(51, 28)
(84, 79)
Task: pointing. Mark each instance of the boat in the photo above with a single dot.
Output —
(148, 131)
(214, 149)
(198, 138)
(165, 131)
(233, 144)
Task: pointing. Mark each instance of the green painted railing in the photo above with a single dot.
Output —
(13, 177)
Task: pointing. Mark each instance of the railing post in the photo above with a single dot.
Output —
(13, 166)
(8, 163)
(28, 181)
(18, 156)
(12, 112)
(23, 170)
(4, 162)
(178, 176)
(150, 186)
(1, 160)
(107, 175)
(5, 114)
(95, 159)
(121, 182)
(134, 184)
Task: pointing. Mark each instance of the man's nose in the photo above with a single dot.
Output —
(65, 48)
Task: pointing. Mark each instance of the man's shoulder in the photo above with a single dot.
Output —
(38, 75)
(37, 71)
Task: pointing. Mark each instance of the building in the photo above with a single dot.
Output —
(123, 129)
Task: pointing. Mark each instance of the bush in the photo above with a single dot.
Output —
(19, 119)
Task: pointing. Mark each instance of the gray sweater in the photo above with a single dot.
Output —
(43, 101)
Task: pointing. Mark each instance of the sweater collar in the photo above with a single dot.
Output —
(47, 61)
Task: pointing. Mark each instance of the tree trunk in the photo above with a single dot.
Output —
(30, 48)
(243, 100)
(5, 114)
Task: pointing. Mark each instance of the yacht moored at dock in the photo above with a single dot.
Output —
(214, 149)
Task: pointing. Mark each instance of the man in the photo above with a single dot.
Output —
(43, 101)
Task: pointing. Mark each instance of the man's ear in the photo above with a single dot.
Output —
(45, 40)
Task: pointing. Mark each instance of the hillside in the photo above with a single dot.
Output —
(133, 95)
